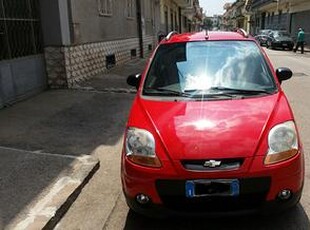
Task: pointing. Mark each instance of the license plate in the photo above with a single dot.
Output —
(218, 187)
(284, 44)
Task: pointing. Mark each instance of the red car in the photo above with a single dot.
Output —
(211, 131)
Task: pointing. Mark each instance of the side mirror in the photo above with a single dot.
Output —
(134, 80)
(283, 74)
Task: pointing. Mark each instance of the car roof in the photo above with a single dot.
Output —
(281, 31)
(206, 36)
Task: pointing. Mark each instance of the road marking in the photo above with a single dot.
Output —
(39, 152)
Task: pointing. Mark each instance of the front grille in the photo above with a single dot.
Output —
(200, 165)
(253, 192)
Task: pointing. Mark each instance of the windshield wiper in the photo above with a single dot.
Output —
(198, 93)
(166, 92)
(241, 91)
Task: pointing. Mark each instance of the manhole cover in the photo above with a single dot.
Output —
(300, 74)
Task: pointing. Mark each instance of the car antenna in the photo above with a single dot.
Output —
(207, 34)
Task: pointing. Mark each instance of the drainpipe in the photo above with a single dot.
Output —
(139, 22)
(180, 20)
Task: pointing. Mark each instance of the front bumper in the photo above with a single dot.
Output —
(162, 211)
(259, 188)
(283, 44)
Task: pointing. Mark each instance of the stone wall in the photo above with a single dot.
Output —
(66, 66)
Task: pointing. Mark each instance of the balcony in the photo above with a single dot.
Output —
(260, 3)
(188, 11)
(184, 3)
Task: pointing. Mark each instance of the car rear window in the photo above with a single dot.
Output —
(204, 65)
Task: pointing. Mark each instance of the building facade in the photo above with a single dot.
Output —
(22, 68)
(180, 15)
(237, 15)
(228, 22)
(96, 35)
(59, 43)
(286, 15)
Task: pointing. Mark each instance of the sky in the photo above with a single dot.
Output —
(211, 7)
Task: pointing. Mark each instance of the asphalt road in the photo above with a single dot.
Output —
(101, 204)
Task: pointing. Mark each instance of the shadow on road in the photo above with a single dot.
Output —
(64, 124)
(84, 122)
(295, 218)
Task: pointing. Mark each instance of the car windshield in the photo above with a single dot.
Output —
(264, 32)
(214, 68)
(281, 34)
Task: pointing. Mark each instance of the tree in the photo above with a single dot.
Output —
(207, 24)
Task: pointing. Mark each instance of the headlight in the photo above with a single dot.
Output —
(283, 143)
(140, 147)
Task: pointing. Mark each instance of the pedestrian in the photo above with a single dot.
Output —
(300, 40)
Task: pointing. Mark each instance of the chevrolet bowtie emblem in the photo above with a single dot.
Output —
(212, 163)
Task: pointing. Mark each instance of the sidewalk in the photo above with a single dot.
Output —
(114, 80)
(48, 145)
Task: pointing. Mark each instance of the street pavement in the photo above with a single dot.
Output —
(58, 137)
(51, 145)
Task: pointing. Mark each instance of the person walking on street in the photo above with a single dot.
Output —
(300, 40)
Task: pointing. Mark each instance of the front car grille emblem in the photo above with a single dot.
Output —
(212, 163)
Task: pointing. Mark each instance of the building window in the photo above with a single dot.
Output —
(184, 21)
(105, 7)
(148, 10)
(133, 53)
(110, 61)
(130, 8)
(20, 29)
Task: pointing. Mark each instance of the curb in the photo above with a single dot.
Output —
(51, 224)
(54, 202)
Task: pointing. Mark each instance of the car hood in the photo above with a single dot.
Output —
(209, 129)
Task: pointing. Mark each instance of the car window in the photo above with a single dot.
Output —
(201, 66)
(265, 32)
(277, 34)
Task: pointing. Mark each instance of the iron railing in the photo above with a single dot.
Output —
(20, 28)
(259, 3)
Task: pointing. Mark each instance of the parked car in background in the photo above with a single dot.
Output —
(210, 130)
(262, 37)
(280, 39)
